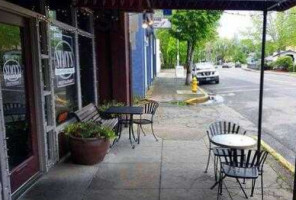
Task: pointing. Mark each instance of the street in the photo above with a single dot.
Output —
(239, 90)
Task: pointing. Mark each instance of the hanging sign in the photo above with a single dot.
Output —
(12, 73)
(64, 64)
(160, 20)
(167, 12)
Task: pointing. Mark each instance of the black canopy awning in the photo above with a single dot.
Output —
(141, 5)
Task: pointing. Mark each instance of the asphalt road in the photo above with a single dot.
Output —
(240, 91)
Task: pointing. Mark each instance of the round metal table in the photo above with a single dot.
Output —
(234, 141)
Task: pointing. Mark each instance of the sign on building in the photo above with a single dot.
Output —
(12, 72)
(160, 20)
(64, 62)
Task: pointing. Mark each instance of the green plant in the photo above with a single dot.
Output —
(107, 104)
(89, 130)
(139, 100)
(283, 63)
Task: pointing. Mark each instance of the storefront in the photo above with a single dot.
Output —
(47, 70)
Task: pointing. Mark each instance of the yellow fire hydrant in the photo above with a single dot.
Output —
(194, 85)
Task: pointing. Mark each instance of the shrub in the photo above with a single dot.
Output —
(89, 130)
(283, 63)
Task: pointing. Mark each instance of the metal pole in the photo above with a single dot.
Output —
(294, 190)
(178, 53)
(261, 80)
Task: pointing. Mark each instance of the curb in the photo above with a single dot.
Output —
(197, 100)
(278, 157)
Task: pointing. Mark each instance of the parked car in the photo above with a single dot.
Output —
(238, 65)
(205, 72)
(227, 65)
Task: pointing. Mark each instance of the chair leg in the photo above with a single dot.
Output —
(253, 187)
(262, 186)
(142, 129)
(216, 167)
(153, 132)
(209, 156)
(138, 132)
(219, 186)
(242, 188)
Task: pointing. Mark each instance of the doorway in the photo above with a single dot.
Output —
(18, 99)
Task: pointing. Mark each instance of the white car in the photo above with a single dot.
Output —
(205, 72)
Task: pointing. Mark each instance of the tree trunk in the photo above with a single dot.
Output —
(189, 60)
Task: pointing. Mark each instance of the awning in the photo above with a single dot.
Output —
(141, 5)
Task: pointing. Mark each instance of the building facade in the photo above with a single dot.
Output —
(143, 54)
(55, 58)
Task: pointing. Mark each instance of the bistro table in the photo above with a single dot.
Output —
(233, 141)
(126, 110)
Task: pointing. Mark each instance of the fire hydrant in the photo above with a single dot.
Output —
(194, 85)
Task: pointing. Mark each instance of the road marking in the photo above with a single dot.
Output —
(237, 91)
(280, 81)
(233, 87)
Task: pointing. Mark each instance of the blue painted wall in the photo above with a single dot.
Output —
(139, 51)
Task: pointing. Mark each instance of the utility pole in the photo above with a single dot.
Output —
(178, 53)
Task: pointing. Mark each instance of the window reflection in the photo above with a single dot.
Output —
(15, 104)
(64, 67)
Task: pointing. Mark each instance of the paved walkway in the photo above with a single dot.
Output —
(170, 169)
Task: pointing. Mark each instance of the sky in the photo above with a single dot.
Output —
(233, 23)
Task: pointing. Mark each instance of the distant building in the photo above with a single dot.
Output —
(276, 55)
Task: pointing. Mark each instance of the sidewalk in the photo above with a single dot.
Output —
(292, 74)
(170, 169)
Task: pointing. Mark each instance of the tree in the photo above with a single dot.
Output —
(168, 48)
(194, 28)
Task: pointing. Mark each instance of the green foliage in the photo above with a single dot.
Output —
(89, 130)
(9, 37)
(139, 100)
(107, 104)
(169, 49)
(195, 27)
(283, 63)
(230, 50)
(281, 33)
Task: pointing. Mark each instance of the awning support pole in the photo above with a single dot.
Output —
(261, 80)
(294, 190)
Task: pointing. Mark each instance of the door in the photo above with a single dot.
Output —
(18, 99)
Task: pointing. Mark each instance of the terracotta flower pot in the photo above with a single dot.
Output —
(88, 151)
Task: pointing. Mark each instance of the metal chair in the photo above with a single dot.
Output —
(218, 128)
(241, 164)
(149, 111)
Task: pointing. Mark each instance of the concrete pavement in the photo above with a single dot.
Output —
(170, 169)
(239, 90)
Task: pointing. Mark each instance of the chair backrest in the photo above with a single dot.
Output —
(150, 107)
(224, 127)
(245, 158)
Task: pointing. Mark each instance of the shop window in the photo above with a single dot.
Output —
(64, 67)
(86, 70)
(83, 19)
(61, 11)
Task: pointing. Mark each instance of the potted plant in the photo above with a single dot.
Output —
(103, 107)
(89, 142)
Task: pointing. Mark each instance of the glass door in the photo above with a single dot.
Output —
(18, 105)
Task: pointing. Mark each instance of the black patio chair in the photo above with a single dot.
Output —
(218, 128)
(241, 164)
(147, 118)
